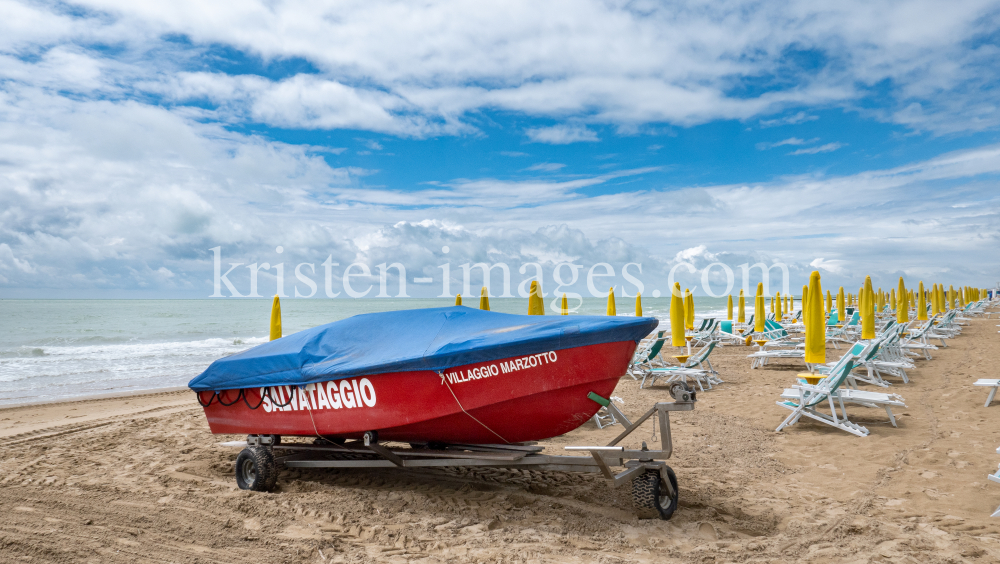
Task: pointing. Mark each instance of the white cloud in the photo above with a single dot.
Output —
(423, 69)
(119, 167)
(545, 167)
(834, 266)
(105, 195)
(562, 134)
(829, 147)
(800, 117)
(789, 141)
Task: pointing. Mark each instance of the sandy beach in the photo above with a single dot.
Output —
(140, 478)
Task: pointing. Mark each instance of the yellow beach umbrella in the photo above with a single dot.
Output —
(961, 299)
(868, 307)
(892, 299)
(741, 310)
(275, 332)
(812, 308)
(484, 300)
(829, 302)
(921, 303)
(638, 304)
(458, 300)
(536, 306)
(777, 307)
(612, 311)
(902, 311)
(729, 307)
(758, 309)
(677, 317)
(951, 295)
(565, 306)
(689, 308)
(791, 304)
(840, 305)
(805, 298)
(934, 296)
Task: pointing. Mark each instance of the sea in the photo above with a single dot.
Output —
(53, 350)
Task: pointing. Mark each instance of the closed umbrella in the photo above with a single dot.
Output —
(813, 313)
(536, 306)
(840, 306)
(275, 332)
(805, 296)
(921, 303)
(758, 309)
(741, 311)
(868, 310)
(902, 309)
(677, 316)
(484, 300)
(689, 308)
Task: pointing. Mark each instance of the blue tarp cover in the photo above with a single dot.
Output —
(416, 339)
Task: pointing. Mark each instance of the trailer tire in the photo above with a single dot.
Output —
(650, 497)
(256, 470)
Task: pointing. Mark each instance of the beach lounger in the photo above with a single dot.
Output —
(647, 355)
(917, 340)
(989, 383)
(762, 357)
(995, 477)
(727, 332)
(846, 334)
(709, 333)
(805, 399)
(605, 417)
(693, 368)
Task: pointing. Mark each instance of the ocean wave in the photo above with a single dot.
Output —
(83, 364)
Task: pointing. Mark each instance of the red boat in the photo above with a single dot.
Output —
(464, 387)
(452, 375)
(511, 400)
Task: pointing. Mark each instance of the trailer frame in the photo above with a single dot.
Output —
(268, 454)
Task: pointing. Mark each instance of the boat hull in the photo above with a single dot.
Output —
(518, 399)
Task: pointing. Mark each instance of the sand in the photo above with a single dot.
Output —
(140, 478)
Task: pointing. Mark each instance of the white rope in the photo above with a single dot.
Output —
(445, 382)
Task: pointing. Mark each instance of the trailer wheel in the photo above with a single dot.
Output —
(256, 470)
(651, 497)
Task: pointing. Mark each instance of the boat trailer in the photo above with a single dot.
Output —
(654, 484)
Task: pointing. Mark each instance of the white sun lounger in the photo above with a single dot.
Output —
(995, 478)
(804, 399)
(989, 383)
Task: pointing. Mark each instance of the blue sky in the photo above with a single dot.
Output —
(858, 138)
